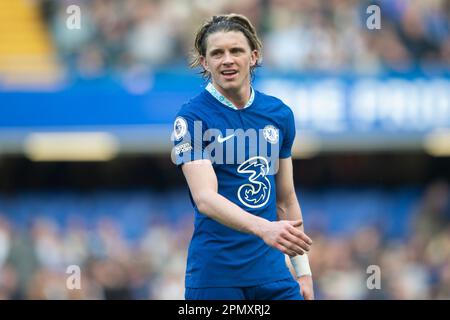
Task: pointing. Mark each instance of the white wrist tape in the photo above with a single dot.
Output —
(301, 265)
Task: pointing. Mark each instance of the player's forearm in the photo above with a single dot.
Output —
(226, 212)
(290, 210)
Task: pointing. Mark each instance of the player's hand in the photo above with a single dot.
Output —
(287, 237)
(306, 287)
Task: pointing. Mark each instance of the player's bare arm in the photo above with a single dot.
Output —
(282, 235)
(288, 208)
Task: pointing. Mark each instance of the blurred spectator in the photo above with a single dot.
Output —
(297, 35)
(151, 264)
(5, 240)
(434, 212)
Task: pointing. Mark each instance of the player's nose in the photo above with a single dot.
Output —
(228, 58)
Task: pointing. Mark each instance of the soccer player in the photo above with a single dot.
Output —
(234, 144)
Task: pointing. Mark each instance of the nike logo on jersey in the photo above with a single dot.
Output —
(222, 140)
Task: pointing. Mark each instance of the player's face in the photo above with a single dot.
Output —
(228, 59)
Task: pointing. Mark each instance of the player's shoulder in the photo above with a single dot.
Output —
(195, 108)
(274, 104)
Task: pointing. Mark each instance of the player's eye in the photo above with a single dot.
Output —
(237, 51)
(216, 54)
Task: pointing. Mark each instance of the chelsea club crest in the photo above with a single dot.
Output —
(271, 134)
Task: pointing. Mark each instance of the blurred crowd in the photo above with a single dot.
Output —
(301, 36)
(417, 267)
(34, 258)
(36, 263)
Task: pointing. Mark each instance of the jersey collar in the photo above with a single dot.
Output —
(216, 94)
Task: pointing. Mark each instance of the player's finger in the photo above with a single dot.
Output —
(296, 223)
(291, 247)
(297, 243)
(305, 238)
(306, 294)
(285, 250)
(299, 234)
(296, 240)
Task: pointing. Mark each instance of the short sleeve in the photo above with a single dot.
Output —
(288, 136)
(187, 138)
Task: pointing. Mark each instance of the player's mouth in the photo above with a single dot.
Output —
(229, 74)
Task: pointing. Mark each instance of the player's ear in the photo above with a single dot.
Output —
(204, 63)
(254, 58)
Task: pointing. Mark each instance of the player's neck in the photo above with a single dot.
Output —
(239, 97)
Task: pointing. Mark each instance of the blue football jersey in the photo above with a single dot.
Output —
(244, 146)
